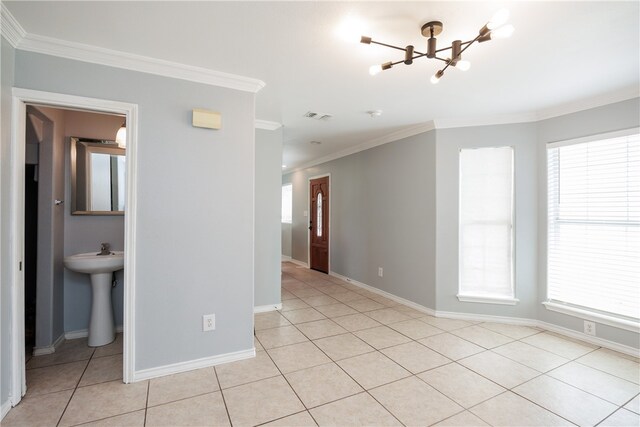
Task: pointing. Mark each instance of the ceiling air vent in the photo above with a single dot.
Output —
(318, 116)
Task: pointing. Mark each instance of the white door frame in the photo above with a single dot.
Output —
(309, 179)
(20, 99)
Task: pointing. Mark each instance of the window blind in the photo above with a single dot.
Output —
(486, 222)
(594, 225)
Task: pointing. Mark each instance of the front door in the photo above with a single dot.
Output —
(319, 224)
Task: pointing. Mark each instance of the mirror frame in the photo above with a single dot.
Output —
(92, 146)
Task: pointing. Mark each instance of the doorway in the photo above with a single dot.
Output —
(21, 99)
(319, 224)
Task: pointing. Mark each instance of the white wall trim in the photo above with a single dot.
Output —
(564, 109)
(286, 258)
(11, 28)
(296, 262)
(205, 362)
(266, 125)
(6, 407)
(589, 338)
(472, 317)
(487, 300)
(40, 351)
(20, 98)
(83, 333)
(267, 308)
(499, 319)
(627, 325)
(385, 294)
(384, 139)
(128, 61)
(500, 119)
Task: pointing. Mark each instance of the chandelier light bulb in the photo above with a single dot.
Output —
(375, 69)
(435, 79)
(498, 19)
(463, 65)
(502, 32)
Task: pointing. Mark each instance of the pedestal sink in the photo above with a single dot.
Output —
(100, 268)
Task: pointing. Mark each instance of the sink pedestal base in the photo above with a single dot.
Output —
(101, 326)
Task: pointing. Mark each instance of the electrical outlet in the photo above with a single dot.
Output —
(589, 328)
(379, 271)
(208, 322)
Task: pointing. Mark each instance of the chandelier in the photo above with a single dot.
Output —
(494, 29)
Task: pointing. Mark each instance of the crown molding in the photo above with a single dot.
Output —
(113, 58)
(10, 28)
(267, 125)
(485, 121)
(385, 139)
(620, 95)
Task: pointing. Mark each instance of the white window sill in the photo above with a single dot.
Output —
(488, 300)
(584, 313)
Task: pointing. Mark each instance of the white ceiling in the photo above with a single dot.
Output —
(560, 53)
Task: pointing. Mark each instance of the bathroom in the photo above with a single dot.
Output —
(58, 301)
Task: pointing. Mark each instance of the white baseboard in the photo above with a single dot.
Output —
(268, 307)
(83, 333)
(300, 263)
(499, 319)
(590, 339)
(41, 351)
(205, 362)
(385, 294)
(286, 258)
(486, 318)
(5, 408)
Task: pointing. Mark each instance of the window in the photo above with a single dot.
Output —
(287, 203)
(593, 260)
(486, 225)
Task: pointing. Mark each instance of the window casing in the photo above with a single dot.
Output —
(287, 203)
(486, 225)
(593, 231)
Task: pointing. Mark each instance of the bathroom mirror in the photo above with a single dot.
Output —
(97, 177)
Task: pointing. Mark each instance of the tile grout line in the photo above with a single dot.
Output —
(224, 401)
(76, 388)
(146, 403)
(354, 380)
(289, 384)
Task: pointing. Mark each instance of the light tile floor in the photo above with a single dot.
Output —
(340, 355)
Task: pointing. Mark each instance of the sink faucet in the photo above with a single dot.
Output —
(105, 249)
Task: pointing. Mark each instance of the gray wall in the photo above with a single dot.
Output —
(6, 82)
(50, 270)
(613, 117)
(85, 233)
(195, 223)
(381, 215)
(268, 197)
(387, 201)
(449, 142)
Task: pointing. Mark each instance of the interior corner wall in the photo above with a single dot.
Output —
(50, 252)
(382, 214)
(7, 58)
(268, 205)
(608, 118)
(449, 142)
(195, 205)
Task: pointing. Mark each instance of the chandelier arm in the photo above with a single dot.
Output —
(469, 43)
(388, 45)
(442, 59)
